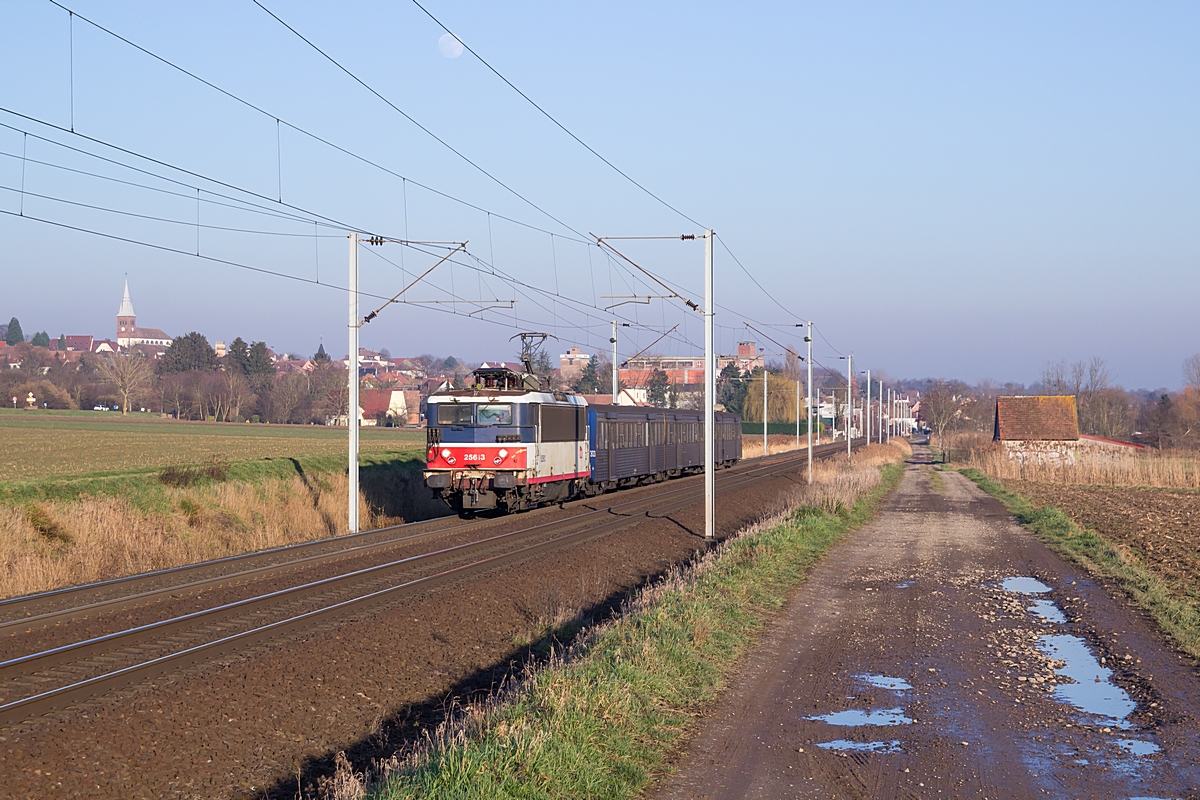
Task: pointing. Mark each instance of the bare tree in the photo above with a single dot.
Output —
(288, 393)
(1098, 376)
(130, 375)
(1059, 377)
(1191, 372)
(940, 407)
(236, 394)
(1109, 414)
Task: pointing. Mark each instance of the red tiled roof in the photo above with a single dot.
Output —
(1047, 418)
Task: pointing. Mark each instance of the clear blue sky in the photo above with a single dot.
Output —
(947, 189)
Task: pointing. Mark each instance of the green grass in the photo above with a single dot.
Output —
(1178, 616)
(937, 484)
(601, 725)
(39, 444)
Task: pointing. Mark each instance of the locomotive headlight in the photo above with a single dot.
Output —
(445, 453)
(503, 454)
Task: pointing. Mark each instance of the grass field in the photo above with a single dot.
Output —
(87, 496)
(43, 444)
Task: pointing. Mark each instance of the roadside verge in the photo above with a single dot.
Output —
(1178, 616)
(602, 718)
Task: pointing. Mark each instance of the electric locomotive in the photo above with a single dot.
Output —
(505, 442)
(508, 443)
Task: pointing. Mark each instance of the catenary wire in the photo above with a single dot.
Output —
(280, 121)
(550, 117)
(408, 117)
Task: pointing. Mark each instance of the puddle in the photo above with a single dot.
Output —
(1092, 691)
(855, 718)
(1047, 609)
(884, 682)
(904, 584)
(1137, 747)
(865, 747)
(1024, 585)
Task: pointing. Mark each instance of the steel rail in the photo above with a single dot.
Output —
(19, 710)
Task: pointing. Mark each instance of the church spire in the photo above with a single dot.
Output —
(126, 303)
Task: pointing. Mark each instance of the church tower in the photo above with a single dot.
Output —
(126, 319)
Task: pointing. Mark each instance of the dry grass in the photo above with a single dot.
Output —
(1150, 468)
(52, 544)
(784, 443)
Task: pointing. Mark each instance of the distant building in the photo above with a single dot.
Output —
(571, 364)
(1044, 429)
(128, 332)
(369, 362)
(687, 371)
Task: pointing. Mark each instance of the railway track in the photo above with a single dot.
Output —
(40, 682)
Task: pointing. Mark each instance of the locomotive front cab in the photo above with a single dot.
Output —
(505, 442)
(478, 445)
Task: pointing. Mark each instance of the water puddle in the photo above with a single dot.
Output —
(1047, 609)
(904, 584)
(1138, 747)
(885, 682)
(862, 747)
(854, 718)
(1024, 585)
(1092, 691)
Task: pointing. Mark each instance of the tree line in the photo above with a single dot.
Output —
(188, 382)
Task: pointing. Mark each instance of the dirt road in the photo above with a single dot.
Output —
(912, 664)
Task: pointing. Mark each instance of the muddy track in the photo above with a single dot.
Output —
(474, 624)
(944, 652)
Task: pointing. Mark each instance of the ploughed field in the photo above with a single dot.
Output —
(38, 444)
(1161, 527)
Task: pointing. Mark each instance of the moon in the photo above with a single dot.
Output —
(450, 46)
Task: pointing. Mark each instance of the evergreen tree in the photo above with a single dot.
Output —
(62, 342)
(656, 389)
(731, 389)
(258, 363)
(589, 378)
(451, 362)
(541, 363)
(237, 357)
(14, 335)
(188, 353)
(40, 339)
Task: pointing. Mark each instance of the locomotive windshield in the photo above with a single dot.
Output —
(454, 413)
(494, 414)
(484, 414)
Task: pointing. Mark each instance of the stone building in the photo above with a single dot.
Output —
(1044, 429)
